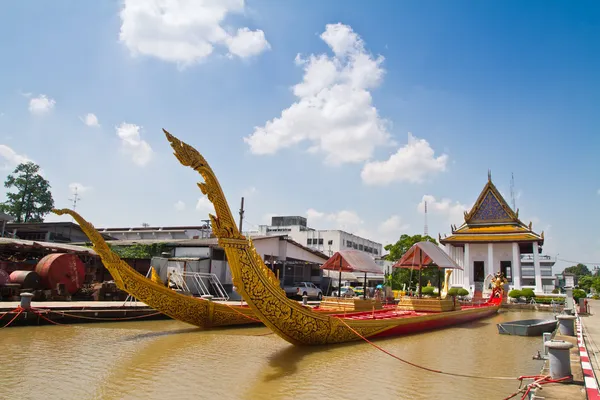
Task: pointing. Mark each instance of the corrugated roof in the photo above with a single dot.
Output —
(423, 254)
(69, 248)
(352, 261)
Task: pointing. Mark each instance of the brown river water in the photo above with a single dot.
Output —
(172, 360)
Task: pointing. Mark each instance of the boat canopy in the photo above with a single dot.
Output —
(352, 261)
(425, 254)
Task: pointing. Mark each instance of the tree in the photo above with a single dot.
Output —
(578, 270)
(401, 276)
(32, 199)
(586, 282)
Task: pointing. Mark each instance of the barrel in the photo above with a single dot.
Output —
(27, 279)
(61, 268)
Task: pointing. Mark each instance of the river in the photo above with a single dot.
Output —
(168, 359)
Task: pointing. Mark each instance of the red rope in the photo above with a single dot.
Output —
(242, 314)
(62, 313)
(15, 317)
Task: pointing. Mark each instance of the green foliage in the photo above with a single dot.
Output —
(578, 294)
(428, 290)
(402, 276)
(515, 293)
(140, 251)
(527, 293)
(595, 297)
(549, 300)
(578, 270)
(556, 291)
(32, 199)
(586, 282)
(463, 292)
(453, 292)
(596, 284)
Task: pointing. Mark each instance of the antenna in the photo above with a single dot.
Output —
(426, 228)
(512, 191)
(75, 199)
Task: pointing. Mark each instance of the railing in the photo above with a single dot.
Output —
(201, 283)
(529, 257)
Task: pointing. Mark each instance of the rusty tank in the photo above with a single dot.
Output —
(61, 268)
(27, 279)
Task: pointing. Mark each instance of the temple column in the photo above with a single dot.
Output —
(467, 268)
(536, 267)
(516, 267)
(490, 263)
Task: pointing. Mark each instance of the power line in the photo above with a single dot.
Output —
(75, 199)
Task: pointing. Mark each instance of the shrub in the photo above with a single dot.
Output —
(463, 292)
(548, 300)
(428, 290)
(555, 291)
(578, 294)
(595, 297)
(527, 293)
(453, 292)
(515, 293)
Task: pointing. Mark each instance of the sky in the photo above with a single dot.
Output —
(350, 113)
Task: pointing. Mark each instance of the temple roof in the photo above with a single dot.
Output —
(492, 220)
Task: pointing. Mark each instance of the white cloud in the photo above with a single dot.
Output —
(413, 162)
(345, 220)
(452, 211)
(393, 225)
(133, 145)
(179, 206)
(90, 120)
(186, 31)
(12, 159)
(334, 111)
(80, 188)
(248, 192)
(41, 105)
(205, 206)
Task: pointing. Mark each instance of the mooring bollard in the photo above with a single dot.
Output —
(208, 297)
(568, 311)
(559, 355)
(546, 337)
(305, 300)
(566, 324)
(26, 300)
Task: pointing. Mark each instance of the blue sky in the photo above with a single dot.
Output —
(305, 107)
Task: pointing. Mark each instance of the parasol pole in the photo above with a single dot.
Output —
(365, 288)
(420, 266)
(439, 282)
(340, 278)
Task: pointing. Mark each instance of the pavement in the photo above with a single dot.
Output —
(591, 333)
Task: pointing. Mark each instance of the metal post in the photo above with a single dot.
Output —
(439, 283)
(365, 288)
(560, 360)
(26, 300)
(241, 215)
(420, 267)
(340, 278)
(546, 337)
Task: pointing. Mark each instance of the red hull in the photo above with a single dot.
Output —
(437, 321)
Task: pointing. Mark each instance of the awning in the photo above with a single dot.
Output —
(424, 254)
(352, 261)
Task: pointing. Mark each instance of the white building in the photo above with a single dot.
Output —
(158, 232)
(493, 239)
(326, 241)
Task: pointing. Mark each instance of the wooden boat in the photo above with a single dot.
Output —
(299, 325)
(527, 327)
(199, 312)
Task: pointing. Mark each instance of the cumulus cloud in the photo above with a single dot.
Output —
(133, 145)
(186, 31)
(205, 206)
(41, 105)
(452, 211)
(413, 162)
(394, 225)
(90, 120)
(344, 219)
(75, 186)
(179, 206)
(248, 192)
(11, 157)
(333, 113)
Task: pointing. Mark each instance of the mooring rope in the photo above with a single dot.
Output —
(539, 379)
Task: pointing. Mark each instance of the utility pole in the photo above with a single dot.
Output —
(512, 191)
(241, 215)
(426, 228)
(74, 200)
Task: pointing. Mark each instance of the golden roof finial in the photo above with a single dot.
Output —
(542, 234)
(530, 224)
(489, 175)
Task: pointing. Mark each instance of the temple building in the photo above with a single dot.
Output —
(493, 239)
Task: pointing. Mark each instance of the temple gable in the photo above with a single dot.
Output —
(490, 209)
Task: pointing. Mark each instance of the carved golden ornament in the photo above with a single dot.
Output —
(198, 312)
(258, 285)
(446, 286)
